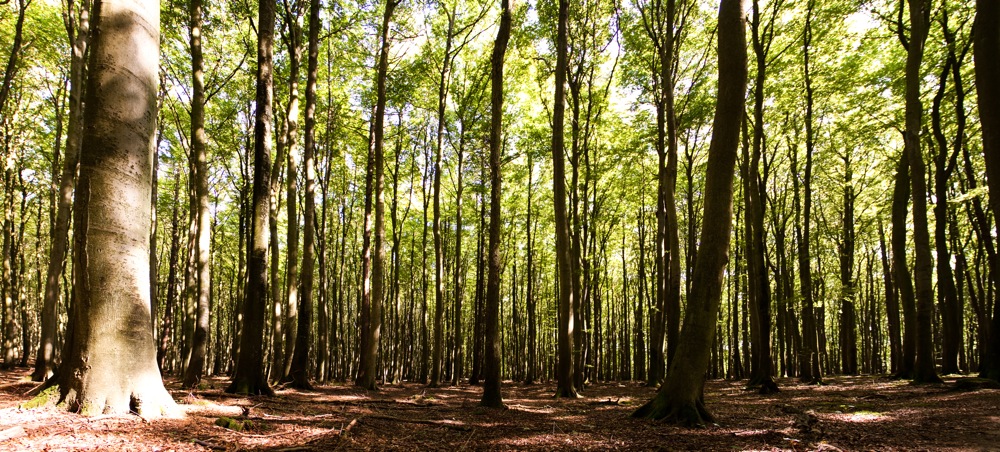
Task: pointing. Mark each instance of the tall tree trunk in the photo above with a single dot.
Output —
(78, 29)
(680, 399)
(199, 170)
(900, 270)
(110, 309)
(438, 242)
(491, 383)
(249, 377)
(986, 52)
(565, 371)
(848, 311)
(299, 370)
(891, 305)
(372, 282)
(530, 302)
(809, 367)
(923, 266)
(457, 277)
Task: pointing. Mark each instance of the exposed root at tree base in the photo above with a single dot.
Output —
(685, 414)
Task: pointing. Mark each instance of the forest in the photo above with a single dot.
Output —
(514, 224)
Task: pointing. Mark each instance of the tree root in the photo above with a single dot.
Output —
(673, 412)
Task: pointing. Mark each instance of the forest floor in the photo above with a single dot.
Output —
(847, 413)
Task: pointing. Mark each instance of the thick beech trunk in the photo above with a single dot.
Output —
(923, 266)
(110, 312)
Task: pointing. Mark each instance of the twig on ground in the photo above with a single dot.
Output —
(343, 431)
(447, 424)
(209, 445)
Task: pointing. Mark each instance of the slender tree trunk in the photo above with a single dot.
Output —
(78, 29)
(438, 242)
(680, 399)
(891, 306)
(299, 370)
(491, 384)
(849, 295)
(199, 142)
(249, 377)
(809, 368)
(372, 283)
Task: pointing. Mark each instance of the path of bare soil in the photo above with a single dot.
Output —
(848, 413)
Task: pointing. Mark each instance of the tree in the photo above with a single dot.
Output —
(565, 371)
(249, 377)
(986, 54)
(110, 307)
(300, 359)
(809, 367)
(372, 266)
(199, 142)
(923, 371)
(78, 30)
(681, 398)
(491, 386)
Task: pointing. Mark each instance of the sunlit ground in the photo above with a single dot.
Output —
(847, 413)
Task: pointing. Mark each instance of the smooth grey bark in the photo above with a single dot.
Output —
(110, 311)
(372, 274)
(203, 226)
(565, 371)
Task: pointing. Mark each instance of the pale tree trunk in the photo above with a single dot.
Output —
(110, 315)
(293, 39)
(372, 278)
(491, 385)
(680, 399)
(438, 242)
(299, 369)
(78, 29)
(203, 226)
(249, 377)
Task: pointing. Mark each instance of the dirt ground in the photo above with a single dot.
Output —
(847, 413)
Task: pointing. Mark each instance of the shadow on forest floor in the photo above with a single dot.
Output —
(847, 413)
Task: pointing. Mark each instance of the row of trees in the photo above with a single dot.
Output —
(345, 252)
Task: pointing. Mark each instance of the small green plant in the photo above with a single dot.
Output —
(234, 424)
(45, 398)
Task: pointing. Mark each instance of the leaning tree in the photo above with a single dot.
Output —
(680, 399)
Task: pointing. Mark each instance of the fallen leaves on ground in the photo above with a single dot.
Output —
(846, 413)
